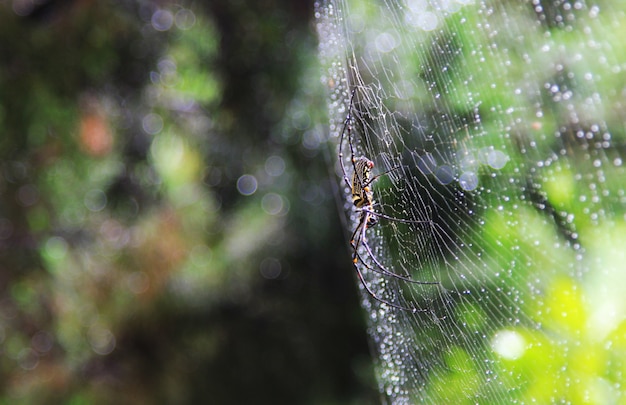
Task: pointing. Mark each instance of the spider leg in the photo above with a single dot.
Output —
(346, 126)
(384, 271)
(387, 272)
(382, 268)
(382, 301)
(381, 174)
(404, 221)
(361, 241)
(359, 232)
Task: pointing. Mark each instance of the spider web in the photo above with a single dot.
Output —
(504, 125)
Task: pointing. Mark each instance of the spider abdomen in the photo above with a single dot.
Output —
(361, 179)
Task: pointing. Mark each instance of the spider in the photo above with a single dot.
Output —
(363, 200)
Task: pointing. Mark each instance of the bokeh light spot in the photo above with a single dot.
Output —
(273, 204)
(55, 248)
(95, 200)
(275, 166)
(247, 184)
(445, 174)
(28, 195)
(162, 20)
(101, 340)
(468, 181)
(509, 344)
(152, 123)
(185, 19)
(270, 268)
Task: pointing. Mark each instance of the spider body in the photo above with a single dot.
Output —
(362, 195)
(361, 178)
(363, 200)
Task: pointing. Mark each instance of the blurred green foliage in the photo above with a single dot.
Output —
(168, 232)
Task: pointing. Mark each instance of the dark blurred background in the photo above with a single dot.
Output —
(168, 224)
